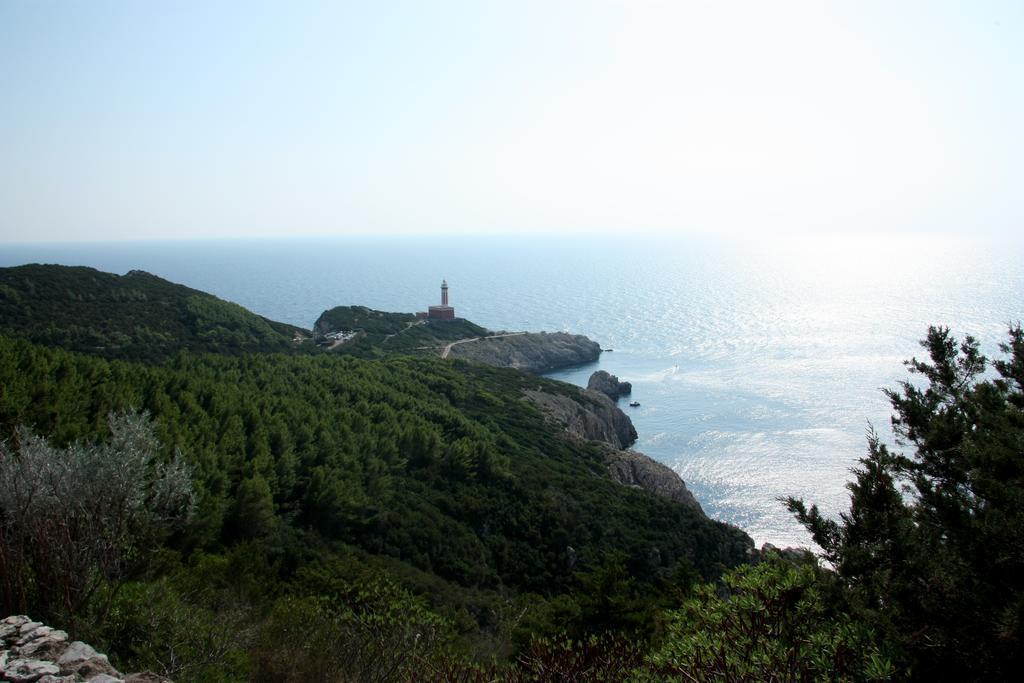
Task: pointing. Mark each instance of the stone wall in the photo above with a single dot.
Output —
(31, 652)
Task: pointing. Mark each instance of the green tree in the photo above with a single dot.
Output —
(607, 597)
(767, 622)
(253, 513)
(932, 549)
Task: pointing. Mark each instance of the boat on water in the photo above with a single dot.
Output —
(634, 404)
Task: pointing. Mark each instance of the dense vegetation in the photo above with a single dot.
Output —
(136, 316)
(428, 476)
(306, 517)
(378, 324)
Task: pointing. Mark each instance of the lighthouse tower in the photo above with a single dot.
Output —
(444, 311)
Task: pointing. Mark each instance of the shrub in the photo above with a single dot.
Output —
(77, 518)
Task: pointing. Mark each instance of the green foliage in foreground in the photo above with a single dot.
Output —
(73, 519)
(931, 553)
(772, 624)
(136, 316)
(432, 476)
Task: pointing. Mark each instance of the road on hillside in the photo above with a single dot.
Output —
(448, 349)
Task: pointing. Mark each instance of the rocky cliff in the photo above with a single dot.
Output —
(536, 352)
(34, 653)
(631, 468)
(609, 385)
(592, 416)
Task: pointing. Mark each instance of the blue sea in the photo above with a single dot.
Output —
(758, 363)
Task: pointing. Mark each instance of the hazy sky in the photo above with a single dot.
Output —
(158, 119)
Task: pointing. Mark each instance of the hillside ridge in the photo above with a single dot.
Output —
(135, 316)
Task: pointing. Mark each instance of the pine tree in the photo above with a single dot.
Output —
(931, 552)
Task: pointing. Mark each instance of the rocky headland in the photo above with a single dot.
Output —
(35, 653)
(632, 468)
(609, 385)
(590, 416)
(593, 416)
(361, 330)
(534, 352)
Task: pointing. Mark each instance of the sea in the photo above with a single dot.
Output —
(759, 362)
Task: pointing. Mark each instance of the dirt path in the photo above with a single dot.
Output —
(407, 326)
(448, 349)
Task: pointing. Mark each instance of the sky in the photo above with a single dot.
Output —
(217, 119)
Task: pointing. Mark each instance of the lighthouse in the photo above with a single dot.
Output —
(444, 311)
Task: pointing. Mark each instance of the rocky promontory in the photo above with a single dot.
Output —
(534, 352)
(35, 653)
(364, 331)
(592, 416)
(631, 468)
(609, 385)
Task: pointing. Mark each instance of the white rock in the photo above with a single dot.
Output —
(26, 629)
(29, 670)
(32, 644)
(49, 644)
(29, 636)
(83, 661)
(78, 652)
(10, 626)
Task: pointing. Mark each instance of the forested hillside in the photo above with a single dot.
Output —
(136, 316)
(433, 475)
